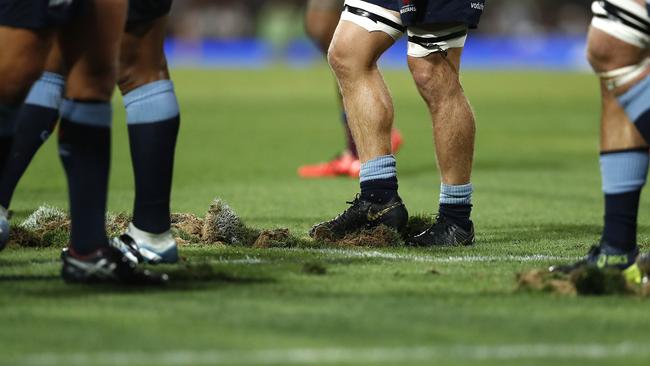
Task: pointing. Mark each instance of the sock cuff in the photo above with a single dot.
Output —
(47, 91)
(7, 120)
(383, 167)
(624, 171)
(636, 101)
(456, 194)
(150, 103)
(95, 114)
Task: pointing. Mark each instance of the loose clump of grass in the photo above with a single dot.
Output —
(545, 281)
(378, 237)
(590, 280)
(584, 281)
(46, 227)
(222, 224)
(418, 224)
(277, 238)
(49, 226)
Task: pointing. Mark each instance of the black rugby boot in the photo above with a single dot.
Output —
(362, 215)
(604, 256)
(443, 233)
(107, 265)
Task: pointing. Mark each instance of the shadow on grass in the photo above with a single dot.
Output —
(16, 278)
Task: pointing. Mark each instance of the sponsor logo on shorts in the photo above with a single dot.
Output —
(477, 6)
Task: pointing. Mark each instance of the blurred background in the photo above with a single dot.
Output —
(530, 34)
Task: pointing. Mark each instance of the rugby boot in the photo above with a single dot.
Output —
(144, 247)
(107, 265)
(443, 233)
(363, 215)
(4, 227)
(604, 256)
(338, 166)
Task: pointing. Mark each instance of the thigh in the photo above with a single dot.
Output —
(90, 47)
(325, 5)
(21, 61)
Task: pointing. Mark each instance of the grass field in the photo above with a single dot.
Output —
(537, 202)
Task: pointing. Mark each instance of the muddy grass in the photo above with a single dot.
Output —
(583, 281)
(50, 226)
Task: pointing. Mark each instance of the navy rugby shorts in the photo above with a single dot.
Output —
(37, 14)
(143, 11)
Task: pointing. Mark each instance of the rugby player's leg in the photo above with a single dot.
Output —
(21, 62)
(90, 49)
(358, 43)
(321, 19)
(618, 53)
(153, 119)
(435, 70)
(625, 127)
(35, 122)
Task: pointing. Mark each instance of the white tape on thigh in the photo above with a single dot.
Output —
(373, 18)
(619, 77)
(422, 43)
(615, 25)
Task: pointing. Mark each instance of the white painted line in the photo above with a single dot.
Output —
(308, 356)
(349, 253)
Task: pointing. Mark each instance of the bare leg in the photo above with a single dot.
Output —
(353, 57)
(437, 80)
(91, 49)
(624, 151)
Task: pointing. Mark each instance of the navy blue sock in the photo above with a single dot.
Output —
(621, 220)
(378, 180)
(351, 145)
(456, 204)
(7, 131)
(153, 119)
(5, 151)
(35, 121)
(85, 149)
(624, 175)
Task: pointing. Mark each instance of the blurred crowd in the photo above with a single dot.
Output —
(274, 19)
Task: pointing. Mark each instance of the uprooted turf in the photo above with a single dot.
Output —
(537, 203)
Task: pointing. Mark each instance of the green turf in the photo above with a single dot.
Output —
(243, 135)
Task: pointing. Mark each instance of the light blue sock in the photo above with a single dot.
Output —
(47, 91)
(383, 167)
(624, 171)
(153, 102)
(456, 194)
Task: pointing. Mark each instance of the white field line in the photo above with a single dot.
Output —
(373, 254)
(347, 253)
(309, 356)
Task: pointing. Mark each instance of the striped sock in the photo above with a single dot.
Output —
(456, 204)
(378, 179)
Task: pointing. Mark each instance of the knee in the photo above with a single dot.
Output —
(93, 82)
(140, 67)
(133, 76)
(435, 79)
(17, 80)
(346, 63)
(601, 58)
